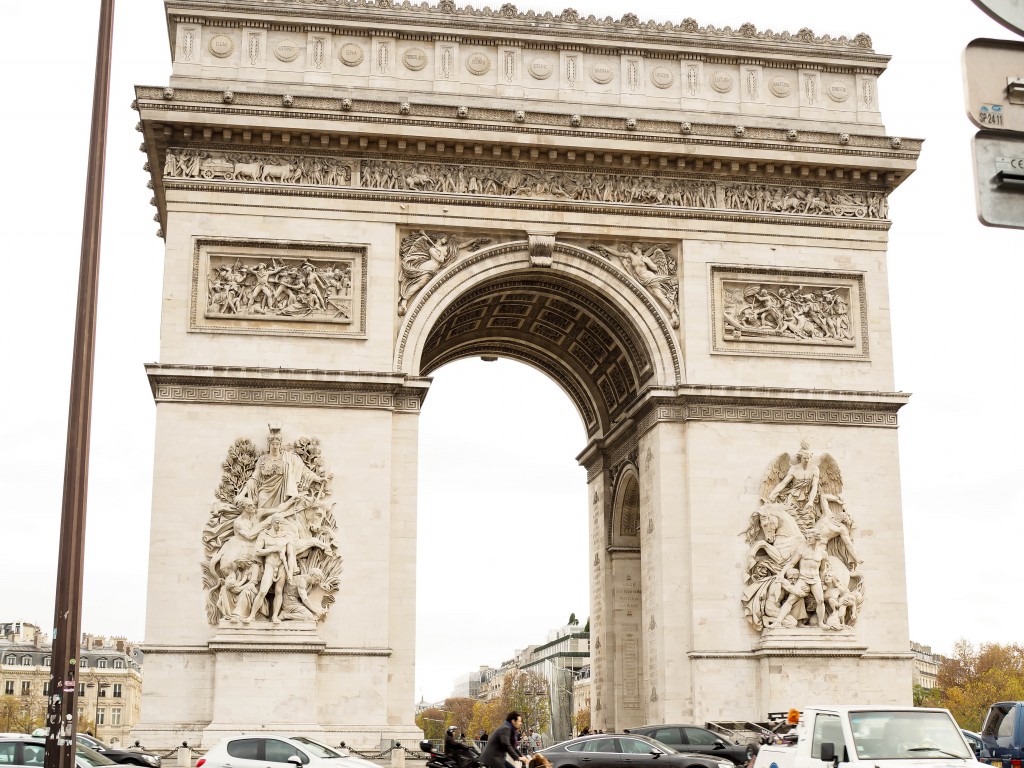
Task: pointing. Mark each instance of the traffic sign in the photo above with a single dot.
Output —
(1009, 13)
(999, 179)
(994, 84)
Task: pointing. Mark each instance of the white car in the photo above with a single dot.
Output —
(27, 751)
(268, 749)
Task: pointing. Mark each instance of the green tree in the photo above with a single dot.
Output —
(487, 715)
(432, 721)
(927, 697)
(527, 694)
(581, 719)
(22, 714)
(460, 714)
(970, 680)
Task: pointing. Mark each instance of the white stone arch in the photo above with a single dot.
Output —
(642, 320)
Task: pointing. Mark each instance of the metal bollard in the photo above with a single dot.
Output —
(398, 757)
(184, 758)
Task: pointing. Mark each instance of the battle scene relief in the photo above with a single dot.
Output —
(802, 568)
(271, 541)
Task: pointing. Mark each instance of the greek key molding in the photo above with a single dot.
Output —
(288, 388)
(238, 395)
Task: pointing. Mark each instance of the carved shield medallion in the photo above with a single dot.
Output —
(221, 46)
(601, 74)
(662, 77)
(478, 64)
(779, 86)
(837, 91)
(541, 69)
(286, 50)
(414, 59)
(351, 55)
(721, 81)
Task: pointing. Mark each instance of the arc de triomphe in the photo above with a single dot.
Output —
(684, 226)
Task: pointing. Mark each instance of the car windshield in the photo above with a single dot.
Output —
(316, 748)
(906, 735)
(91, 756)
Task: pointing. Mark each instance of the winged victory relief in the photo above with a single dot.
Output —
(802, 569)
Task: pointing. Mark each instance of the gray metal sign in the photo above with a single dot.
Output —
(999, 179)
(1009, 13)
(994, 84)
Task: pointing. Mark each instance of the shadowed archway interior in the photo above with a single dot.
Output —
(552, 323)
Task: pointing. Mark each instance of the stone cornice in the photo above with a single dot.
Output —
(394, 112)
(507, 23)
(285, 387)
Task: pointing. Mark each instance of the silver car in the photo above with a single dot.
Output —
(271, 750)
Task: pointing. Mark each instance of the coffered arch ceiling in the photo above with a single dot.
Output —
(556, 324)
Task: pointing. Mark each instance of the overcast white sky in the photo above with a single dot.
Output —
(957, 330)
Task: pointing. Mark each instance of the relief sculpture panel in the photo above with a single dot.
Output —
(278, 288)
(271, 549)
(217, 164)
(788, 313)
(801, 565)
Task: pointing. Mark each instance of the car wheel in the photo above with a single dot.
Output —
(751, 751)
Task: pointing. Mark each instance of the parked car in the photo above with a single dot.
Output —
(267, 748)
(122, 756)
(693, 738)
(626, 750)
(974, 741)
(1003, 735)
(28, 751)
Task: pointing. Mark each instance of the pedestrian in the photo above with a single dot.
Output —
(585, 731)
(504, 742)
(483, 737)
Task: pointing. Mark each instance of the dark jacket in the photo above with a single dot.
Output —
(499, 744)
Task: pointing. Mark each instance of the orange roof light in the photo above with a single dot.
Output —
(793, 717)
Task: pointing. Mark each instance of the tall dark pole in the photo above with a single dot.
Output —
(61, 709)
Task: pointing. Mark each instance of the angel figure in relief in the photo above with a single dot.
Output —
(653, 268)
(801, 512)
(423, 257)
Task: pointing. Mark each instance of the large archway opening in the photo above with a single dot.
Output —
(534, 556)
(502, 519)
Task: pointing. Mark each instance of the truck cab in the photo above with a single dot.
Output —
(865, 736)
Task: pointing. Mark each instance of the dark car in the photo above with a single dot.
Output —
(625, 750)
(693, 738)
(123, 756)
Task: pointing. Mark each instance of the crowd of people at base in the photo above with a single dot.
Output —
(508, 740)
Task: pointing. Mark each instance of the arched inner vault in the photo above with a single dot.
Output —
(549, 319)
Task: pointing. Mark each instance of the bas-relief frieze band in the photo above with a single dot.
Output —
(223, 166)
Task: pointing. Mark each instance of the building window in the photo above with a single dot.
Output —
(46, 661)
(9, 660)
(81, 712)
(117, 690)
(26, 661)
(115, 716)
(101, 716)
(26, 687)
(46, 688)
(83, 663)
(101, 664)
(9, 687)
(81, 689)
(118, 664)
(102, 691)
